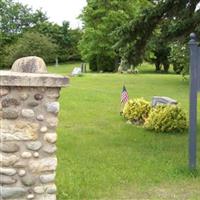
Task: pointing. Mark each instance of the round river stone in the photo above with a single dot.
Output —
(38, 96)
(30, 64)
(9, 147)
(34, 146)
(10, 113)
(28, 180)
(9, 102)
(28, 113)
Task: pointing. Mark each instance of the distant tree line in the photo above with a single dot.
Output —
(24, 32)
(113, 31)
(136, 30)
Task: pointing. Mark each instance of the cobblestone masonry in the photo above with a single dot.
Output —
(28, 118)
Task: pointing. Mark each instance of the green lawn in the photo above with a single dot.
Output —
(102, 157)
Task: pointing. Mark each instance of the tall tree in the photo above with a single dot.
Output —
(174, 18)
(31, 44)
(66, 38)
(100, 19)
(15, 19)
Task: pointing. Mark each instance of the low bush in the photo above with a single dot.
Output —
(166, 118)
(31, 44)
(136, 110)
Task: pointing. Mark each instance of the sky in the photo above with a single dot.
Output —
(59, 10)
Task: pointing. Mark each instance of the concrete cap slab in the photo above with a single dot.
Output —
(9, 78)
(31, 71)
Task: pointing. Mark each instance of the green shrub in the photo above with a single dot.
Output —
(167, 118)
(31, 44)
(136, 110)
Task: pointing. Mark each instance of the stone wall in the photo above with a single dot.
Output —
(28, 118)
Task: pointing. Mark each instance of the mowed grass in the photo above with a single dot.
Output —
(100, 156)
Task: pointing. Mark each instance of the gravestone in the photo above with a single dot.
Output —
(28, 118)
(159, 100)
(76, 71)
(83, 67)
(56, 62)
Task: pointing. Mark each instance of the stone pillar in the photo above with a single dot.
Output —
(28, 118)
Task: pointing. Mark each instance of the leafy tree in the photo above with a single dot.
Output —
(68, 43)
(75, 37)
(31, 44)
(15, 18)
(158, 53)
(66, 38)
(100, 19)
(174, 18)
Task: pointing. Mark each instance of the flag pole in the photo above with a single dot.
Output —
(120, 103)
(124, 98)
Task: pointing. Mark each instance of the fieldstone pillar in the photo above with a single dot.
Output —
(28, 118)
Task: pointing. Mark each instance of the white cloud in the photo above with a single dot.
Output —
(59, 10)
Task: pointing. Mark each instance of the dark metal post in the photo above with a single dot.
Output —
(193, 100)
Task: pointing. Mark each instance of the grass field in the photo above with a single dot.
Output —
(102, 157)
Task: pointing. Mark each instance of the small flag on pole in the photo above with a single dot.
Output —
(124, 95)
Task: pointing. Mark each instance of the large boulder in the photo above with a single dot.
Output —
(31, 64)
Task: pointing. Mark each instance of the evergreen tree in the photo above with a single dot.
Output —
(174, 19)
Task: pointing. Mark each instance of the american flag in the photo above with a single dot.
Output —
(124, 95)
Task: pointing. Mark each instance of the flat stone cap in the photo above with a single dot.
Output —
(30, 64)
(9, 78)
(31, 72)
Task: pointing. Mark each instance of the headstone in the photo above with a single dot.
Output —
(136, 70)
(120, 69)
(56, 62)
(85, 68)
(82, 69)
(159, 100)
(76, 71)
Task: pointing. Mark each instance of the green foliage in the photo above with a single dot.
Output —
(175, 19)
(158, 52)
(179, 57)
(100, 19)
(102, 63)
(136, 110)
(166, 118)
(66, 39)
(73, 51)
(31, 44)
(17, 19)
